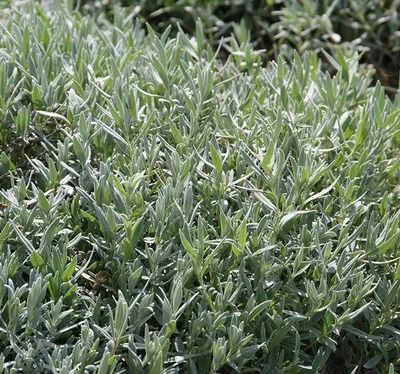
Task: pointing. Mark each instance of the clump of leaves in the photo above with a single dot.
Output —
(190, 214)
(280, 27)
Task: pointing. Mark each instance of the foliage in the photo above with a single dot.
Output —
(281, 26)
(166, 211)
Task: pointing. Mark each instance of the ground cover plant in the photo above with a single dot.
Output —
(163, 210)
(281, 26)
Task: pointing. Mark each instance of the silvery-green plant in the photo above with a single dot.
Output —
(165, 210)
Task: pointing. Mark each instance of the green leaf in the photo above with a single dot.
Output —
(88, 216)
(4, 234)
(397, 274)
(36, 95)
(157, 366)
(5, 164)
(388, 244)
(268, 158)
(260, 308)
(70, 269)
(114, 134)
(53, 115)
(216, 159)
(49, 233)
(36, 259)
(103, 367)
(177, 294)
(171, 327)
(242, 235)
(321, 193)
(362, 132)
(288, 217)
(28, 245)
(176, 134)
(371, 363)
(26, 41)
(190, 250)
(134, 234)
(71, 293)
(121, 316)
(187, 245)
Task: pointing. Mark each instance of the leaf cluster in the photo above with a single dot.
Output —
(182, 213)
(280, 27)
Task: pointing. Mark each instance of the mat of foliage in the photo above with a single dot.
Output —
(281, 26)
(163, 211)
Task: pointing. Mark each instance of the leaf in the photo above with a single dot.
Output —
(70, 269)
(260, 308)
(53, 115)
(176, 134)
(268, 158)
(242, 235)
(321, 193)
(362, 132)
(268, 203)
(287, 218)
(388, 244)
(1, 363)
(22, 237)
(362, 334)
(5, 164)
(397, 274)
(157, 367)
(371, 363)
(101, 217)
(36, 259)
(332, 61)
(216, 159)
(394, 168)
(69, 296)
(133, 236)
(206, 264)
(171, 327)
(103, 367)
(49, 233)
(113, 133)
(88, 216)
(43, 202)
(121, 316)
(5, 232)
